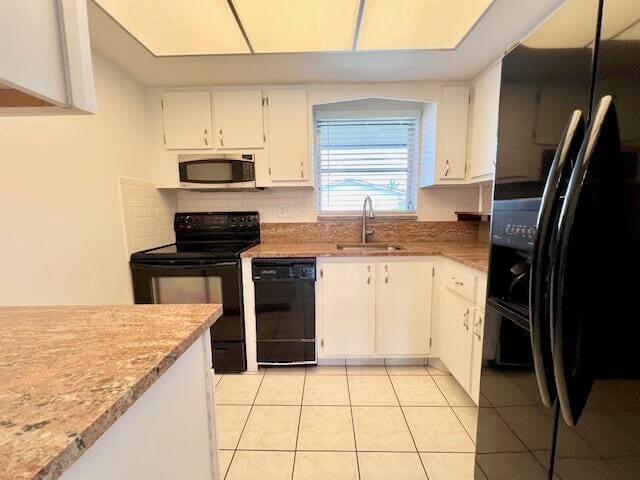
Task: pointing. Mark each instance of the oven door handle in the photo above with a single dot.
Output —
(202, 266)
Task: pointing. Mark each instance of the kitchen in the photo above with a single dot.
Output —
(364, 234)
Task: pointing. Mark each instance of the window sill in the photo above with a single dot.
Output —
(350, 217)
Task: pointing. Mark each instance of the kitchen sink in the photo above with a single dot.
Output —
(368, 247)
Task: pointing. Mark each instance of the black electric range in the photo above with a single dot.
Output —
(203, 266)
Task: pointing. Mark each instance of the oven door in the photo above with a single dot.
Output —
(217, 173)
(207, 282)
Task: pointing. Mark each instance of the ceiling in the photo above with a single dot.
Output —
(213, 27)
(453, 53)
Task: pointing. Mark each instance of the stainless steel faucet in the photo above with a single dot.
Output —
(370, 214)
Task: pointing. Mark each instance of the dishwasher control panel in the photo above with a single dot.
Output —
(284, 270)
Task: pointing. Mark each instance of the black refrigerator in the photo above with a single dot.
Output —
(560, 382)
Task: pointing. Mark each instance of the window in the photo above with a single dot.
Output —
(364, 153)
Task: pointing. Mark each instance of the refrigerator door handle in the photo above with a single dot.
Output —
(574, 315)
(539, 312)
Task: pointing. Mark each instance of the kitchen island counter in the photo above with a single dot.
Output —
(69, 373)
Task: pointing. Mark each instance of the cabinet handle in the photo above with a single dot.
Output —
(476, 328)
(447, 167)
(205, 137)
(466, 319)
(386, 271)
(457, 282)
(221, 138)
(368, 274)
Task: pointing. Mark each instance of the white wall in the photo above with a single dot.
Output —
(62, 240)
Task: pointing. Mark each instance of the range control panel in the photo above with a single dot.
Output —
(207, 221)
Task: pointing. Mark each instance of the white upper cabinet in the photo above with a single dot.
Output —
(187, 120)
(45, 58)
(484, 124)
(452, 128)
(404, 307)
(288, 136)
(238, 119)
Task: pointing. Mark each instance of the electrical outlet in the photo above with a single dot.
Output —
(283, 211)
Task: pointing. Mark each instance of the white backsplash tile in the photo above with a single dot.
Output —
(147, 214)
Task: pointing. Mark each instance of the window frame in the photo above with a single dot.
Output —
(413, 179)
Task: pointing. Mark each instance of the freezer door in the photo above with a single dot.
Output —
(600, 324)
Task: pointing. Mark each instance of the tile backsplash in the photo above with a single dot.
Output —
(274, 205)
(293, 205)
(147, 214)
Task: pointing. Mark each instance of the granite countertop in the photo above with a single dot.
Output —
(474, 255)
(67, 374)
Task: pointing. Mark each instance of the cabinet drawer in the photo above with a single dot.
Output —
(460, 282)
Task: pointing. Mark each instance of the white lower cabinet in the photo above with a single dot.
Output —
(404, 307)
(348, 308)
(455, 336)
(371, 307)
(476, 354)
(461, 325)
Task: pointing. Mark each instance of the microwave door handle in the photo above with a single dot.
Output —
(539, 311)
(573, 334)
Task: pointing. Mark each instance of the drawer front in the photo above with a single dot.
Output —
(460, 282)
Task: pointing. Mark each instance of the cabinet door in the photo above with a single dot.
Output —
(456, 335)
(453, 125)
(484, 123)
(476, 355)
(187, 120)
(348, 308)
(238, 119)
(288, 135)
(404, 307)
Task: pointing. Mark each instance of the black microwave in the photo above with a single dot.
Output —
(217, 172)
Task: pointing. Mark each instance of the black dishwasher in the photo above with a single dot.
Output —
(285, 310)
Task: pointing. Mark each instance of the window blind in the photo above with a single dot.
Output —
(360, 154)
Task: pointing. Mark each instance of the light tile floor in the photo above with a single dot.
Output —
(337, 422)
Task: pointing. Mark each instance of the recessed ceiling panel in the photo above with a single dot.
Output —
(184, 27)
(278, 26)
(417, 24)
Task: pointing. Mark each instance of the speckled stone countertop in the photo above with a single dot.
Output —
(474, 255)
(67, 374)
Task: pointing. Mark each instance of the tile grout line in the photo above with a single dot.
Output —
(456, 414)
(353, 424)
(235, 450)
(407, 422)
(295, 452)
